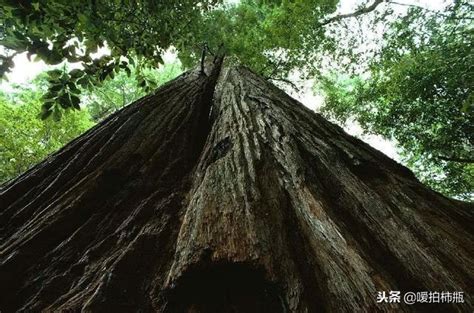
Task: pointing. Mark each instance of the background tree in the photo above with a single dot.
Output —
(126, 87)
(419, 93)
(25, 138)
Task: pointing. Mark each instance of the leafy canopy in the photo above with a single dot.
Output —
(419, 92)
(72, 31)
(270, 36)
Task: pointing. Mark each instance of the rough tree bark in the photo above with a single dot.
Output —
(220, 193)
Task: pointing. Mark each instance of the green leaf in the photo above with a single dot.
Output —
(57, 114)
(65, 101)
(55, 74)
(75, 100)
(45, 113)
(76, 73)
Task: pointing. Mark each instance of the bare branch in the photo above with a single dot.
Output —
(286, 81)
(361, 11)
(376, 3)
(429, 10)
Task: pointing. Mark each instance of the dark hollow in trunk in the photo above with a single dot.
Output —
(220, 193)
(225, 288)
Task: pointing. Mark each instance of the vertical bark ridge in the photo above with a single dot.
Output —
(95, 207)
(363, 224)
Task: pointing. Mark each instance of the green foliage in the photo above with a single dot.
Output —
(272, 37)
(419, 92)
(72, 31)
(125, 88)
(25, 138)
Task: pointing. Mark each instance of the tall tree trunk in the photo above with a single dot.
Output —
(220, 193)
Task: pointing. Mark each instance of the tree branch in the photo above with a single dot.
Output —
(429, 10)
(375, 4)
(286, 81)
(361, 11)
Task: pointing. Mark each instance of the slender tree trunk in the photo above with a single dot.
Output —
(220, 193)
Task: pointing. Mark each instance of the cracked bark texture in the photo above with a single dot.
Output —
(220, 193)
